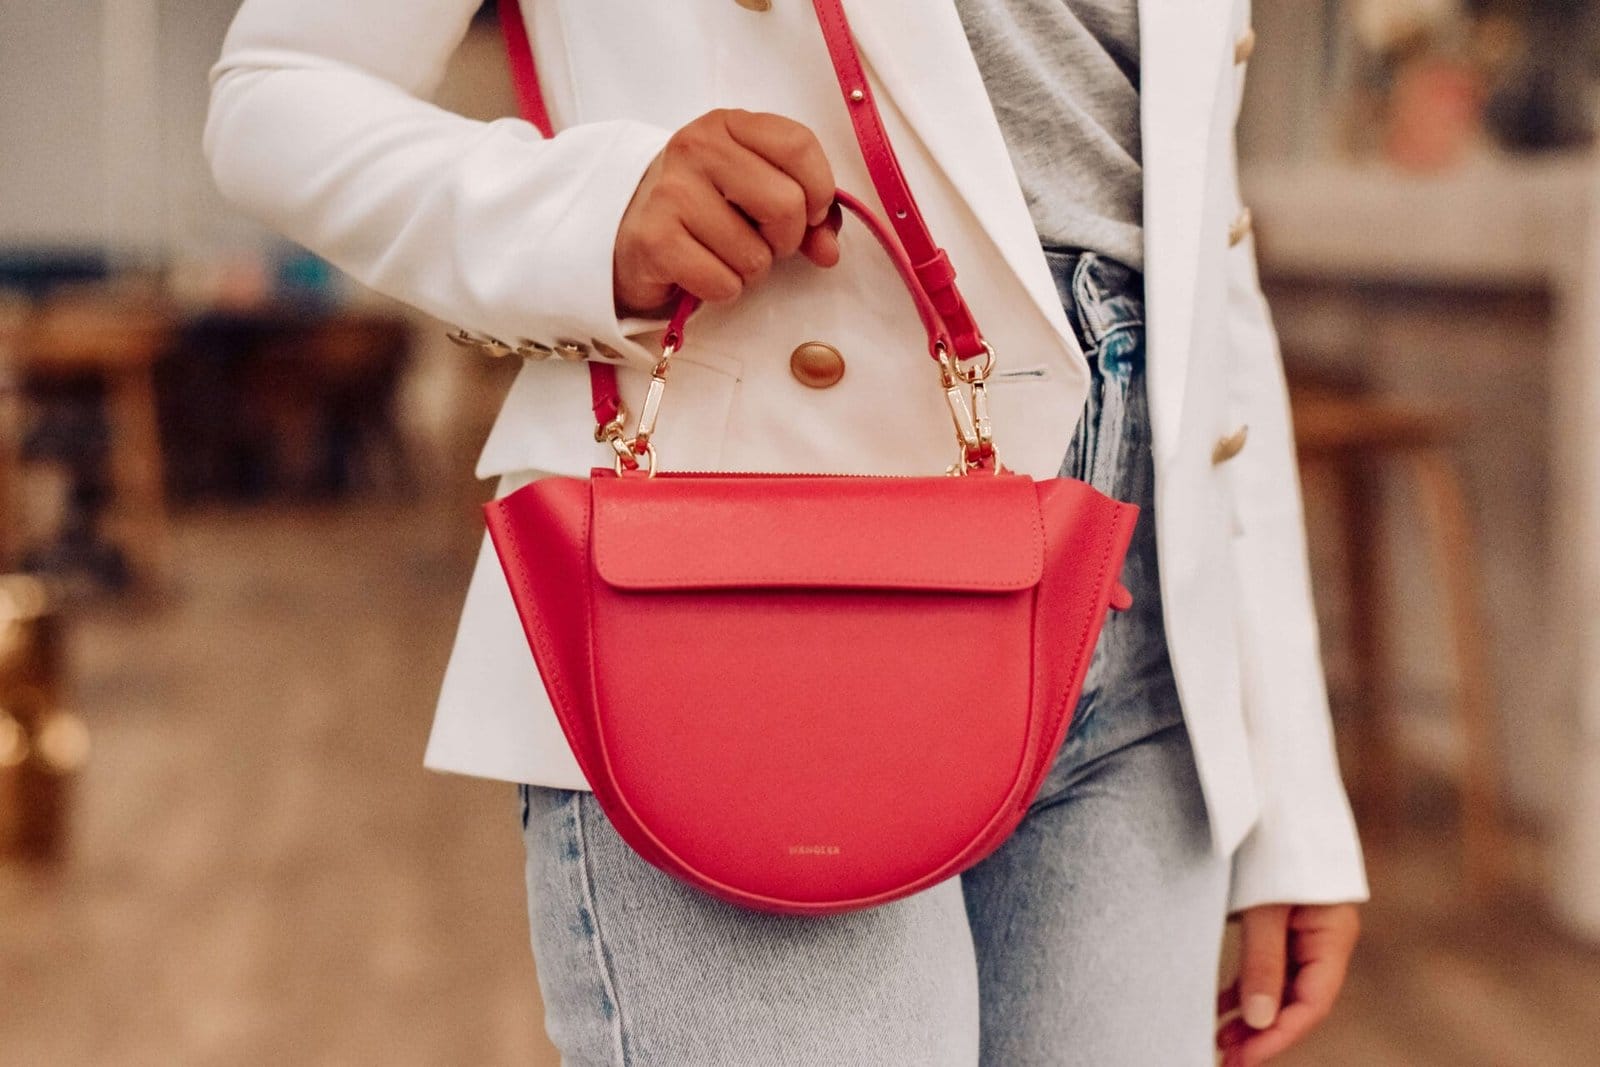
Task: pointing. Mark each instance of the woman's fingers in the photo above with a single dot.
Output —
(1263, 963)
(730, 236)
(1228, 999)
(821, 244)
(747, 188)
(1318, 942)
(773, 199)
(701, 271)
(1244, 1046)
(1312, 994)
(792, 149)
(1322, 939)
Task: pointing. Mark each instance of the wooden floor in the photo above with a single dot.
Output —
(262, 874)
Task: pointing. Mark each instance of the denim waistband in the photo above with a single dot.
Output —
(1104, 301)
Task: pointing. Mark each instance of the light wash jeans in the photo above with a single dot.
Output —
(1091, 936)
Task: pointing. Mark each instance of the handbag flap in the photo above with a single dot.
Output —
(978, 534)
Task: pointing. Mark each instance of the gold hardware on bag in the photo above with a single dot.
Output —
(980, 412)
(965, 391)
(974, 430)
(613, 428)
(652, 400)
(629, 449)
(956, 401)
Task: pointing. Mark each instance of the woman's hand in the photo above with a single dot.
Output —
(1293, 960)
(731, 192)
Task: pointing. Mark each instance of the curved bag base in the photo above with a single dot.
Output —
(812, 694)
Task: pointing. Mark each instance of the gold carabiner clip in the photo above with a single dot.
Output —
(974, 430)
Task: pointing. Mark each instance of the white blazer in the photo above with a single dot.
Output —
(319, 126)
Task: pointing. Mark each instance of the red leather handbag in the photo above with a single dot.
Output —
(813, 694)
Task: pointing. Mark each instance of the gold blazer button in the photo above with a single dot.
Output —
(1245, 45)
(491, 346)
(1240, 227)
(816, 364)
(570, 350)
(1228, 447)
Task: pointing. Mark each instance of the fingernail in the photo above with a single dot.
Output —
(1259, 1011)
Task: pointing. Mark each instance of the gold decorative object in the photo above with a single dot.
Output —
(41, 745)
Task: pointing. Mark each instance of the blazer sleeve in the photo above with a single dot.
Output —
(1303, 849)
(319, 127)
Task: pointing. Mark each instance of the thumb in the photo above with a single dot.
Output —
(821, 242)
(1263, 951)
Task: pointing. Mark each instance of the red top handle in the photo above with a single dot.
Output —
(687, 303)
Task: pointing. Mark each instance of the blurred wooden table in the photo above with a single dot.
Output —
(114, 343)
(13, 313)
(281, 398)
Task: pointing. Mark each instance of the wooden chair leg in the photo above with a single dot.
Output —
(10, 480)
(1377, 779)
(137, 473)
(1483, 837)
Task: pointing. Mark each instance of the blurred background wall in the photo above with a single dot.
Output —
(237, 516)
(125, 86)
(1423, 184)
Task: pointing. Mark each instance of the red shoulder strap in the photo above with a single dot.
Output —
(928, 260)
(524, 75)
(930, 268)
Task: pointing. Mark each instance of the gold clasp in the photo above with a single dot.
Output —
(956, 401)
(652, 399)
(613, 429)
(974, 430)
(628, 460)
(629, 450)
(965, 392)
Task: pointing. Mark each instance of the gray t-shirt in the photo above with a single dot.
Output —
(1063, 77)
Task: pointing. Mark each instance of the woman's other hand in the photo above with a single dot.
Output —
(731, 193)
(1293, 960)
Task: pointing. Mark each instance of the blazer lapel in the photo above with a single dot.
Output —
(919, 55)
(1181, 60)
